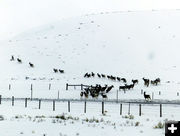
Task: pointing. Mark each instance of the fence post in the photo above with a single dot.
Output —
(139, 109)
(50, 86)
(12, 100)
(117, 96)
(160, 110)
(25, 102)
(9, 86)
(81, 86)
(129, 109)
(31, 87)
(66, 86)
(102, 107)
(39, 104)
(121, 109)
(141, 91)
(58, 94)
(31, 95)
(68, 106)
(177, 93)
(152, 95)
(53, 105)
(124, 91)
(0, 98)
(85, 107)
(159, 92)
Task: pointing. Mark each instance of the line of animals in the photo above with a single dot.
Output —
(56, 70)
(128, 87)
(153, 82)
(113, 78)
(95, 91)
(20, 61)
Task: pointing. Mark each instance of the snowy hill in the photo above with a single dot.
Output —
(125, 44)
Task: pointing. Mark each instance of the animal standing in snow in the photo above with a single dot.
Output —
(19, 60)
(12, 58)
(55, 70)
(146, 81)
(31, 65)
(147, 96)
(61, 71)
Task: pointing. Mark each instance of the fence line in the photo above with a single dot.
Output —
(13, 99)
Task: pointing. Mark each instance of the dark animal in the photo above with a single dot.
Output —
(135, 81)
(19, 60)
(55, 70)
(108, 77)
(98, 75)
(156, 81)
(12, 58)
(122, 87)
(92, 74)
(31, 65)
(61, 71)
(104, 95)
(81, 94)
(103, 75)
(118, 78)
(124, 80)
(131, 86)
(146, 96)
(146, 82)
(86, 75)
(109, 88)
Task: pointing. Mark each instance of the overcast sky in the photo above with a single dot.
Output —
(17, 16)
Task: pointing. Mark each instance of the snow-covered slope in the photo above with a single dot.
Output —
(125, 44)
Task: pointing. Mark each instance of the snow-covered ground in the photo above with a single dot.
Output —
(132, 45)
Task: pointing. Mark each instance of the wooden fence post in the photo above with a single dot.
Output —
(50, 86)
(31, 95)
(58, 94)
(117, 96)
(85, 107)
(12, 100)
(9, 86)
(102, 107)
(139, 109)
(159, 92)
(141, 91)
(53, 105)
(31, 87)
(39, 104)
(121, 109)
(25, 102)
(68, 106)
(177, 93)
(0, 98)
(129, 110)
(160, 110)
(66, 86)
(152, 95)
(81, 86)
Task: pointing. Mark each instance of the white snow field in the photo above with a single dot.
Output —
(129, 44)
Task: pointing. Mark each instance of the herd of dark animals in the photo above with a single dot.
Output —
(56, 70)
(153, 82)
(20, 61)
(95, 91)
(113, 78)
(32, 65)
